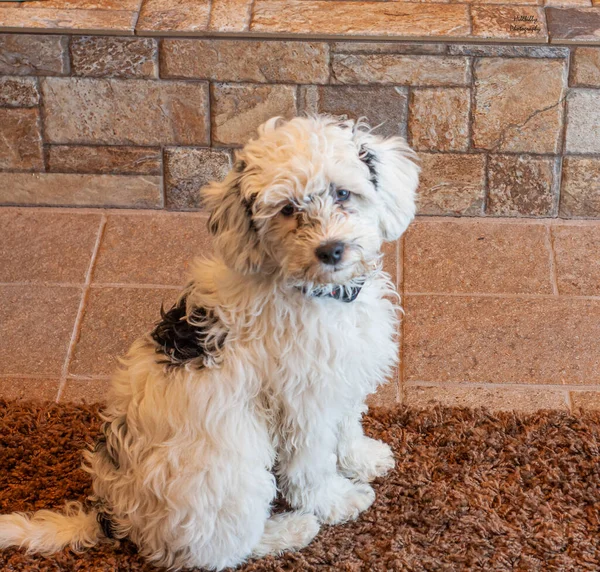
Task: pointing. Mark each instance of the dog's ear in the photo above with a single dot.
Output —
(231, 221)
(395, 177)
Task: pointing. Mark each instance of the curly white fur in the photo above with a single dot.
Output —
(192, 447)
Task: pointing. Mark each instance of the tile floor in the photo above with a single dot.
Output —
(499, 312)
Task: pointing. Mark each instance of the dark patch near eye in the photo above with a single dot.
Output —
(369, 159)
(239, 166)
(248, 204)
(213, 225)
(182, 338)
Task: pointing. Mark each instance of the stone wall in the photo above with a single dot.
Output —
(145, 122)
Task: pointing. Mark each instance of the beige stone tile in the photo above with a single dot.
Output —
(505, 2)
(131, 5)
(18, 91)
(522, 185)
(46, 246)
(114, 318)
(530, 119)
(37, 322)
(508, 51)
(385, 106)
(585, 67)
(502, 340)
(451, 184)
(586, 400)
(55, 189)
(524, 400)
(476, 256)
(574, 25)
(387, 395)
(173, 16)
(230, 15)
(517, 23)
(102, 56)
(116, 160)
(400, 69)
(125, 112)
(439, 119)
(401, 19)
(375, 47)
(154, 249)
(28, 54)
(580, 187)
(246, 60)
(188, 170)
(64, 20)
(238, 109)
(20, 140)
(28, 389)
(568, 3)
(85, 391)
(577, 252)
(583, 121)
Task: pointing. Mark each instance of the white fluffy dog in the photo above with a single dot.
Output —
(262, 367)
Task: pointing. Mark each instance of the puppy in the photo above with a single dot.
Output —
(262, 367)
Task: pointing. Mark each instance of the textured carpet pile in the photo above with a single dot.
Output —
(471, 491)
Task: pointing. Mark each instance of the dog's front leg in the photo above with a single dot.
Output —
(359, 456)
(308, 475)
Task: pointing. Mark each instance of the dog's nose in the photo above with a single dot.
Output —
(330, 252)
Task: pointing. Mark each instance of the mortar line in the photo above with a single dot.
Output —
(111, 211)
(502, 295)
(100, 285)
(409, 104)
(503, 385)
(80, 311)
(137, 17)
(330, 54)
(400, 257)
(471, 110)
(552, 257)
(89, 377)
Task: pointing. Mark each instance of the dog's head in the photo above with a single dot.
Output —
(312, 200)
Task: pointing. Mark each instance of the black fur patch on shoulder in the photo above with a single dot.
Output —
(105, 445)
(369, 159)
(182, 338)
(106, 524)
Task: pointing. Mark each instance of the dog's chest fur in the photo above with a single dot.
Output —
(333, 349)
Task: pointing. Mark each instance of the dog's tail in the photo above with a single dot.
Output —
(47, 532)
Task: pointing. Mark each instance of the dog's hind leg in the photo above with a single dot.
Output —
(287, 531)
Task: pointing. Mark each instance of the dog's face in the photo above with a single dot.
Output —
(312, 200)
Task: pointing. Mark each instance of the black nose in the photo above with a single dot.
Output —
(330, 252)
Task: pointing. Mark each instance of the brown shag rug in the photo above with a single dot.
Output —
(471, 491)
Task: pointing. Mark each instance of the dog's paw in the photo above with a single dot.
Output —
(301, 529)
(367, 459)
(345, 501)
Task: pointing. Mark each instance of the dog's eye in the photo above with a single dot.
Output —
(288, 210)
(342, 195)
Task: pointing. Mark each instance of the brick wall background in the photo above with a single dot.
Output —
(146, 122)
